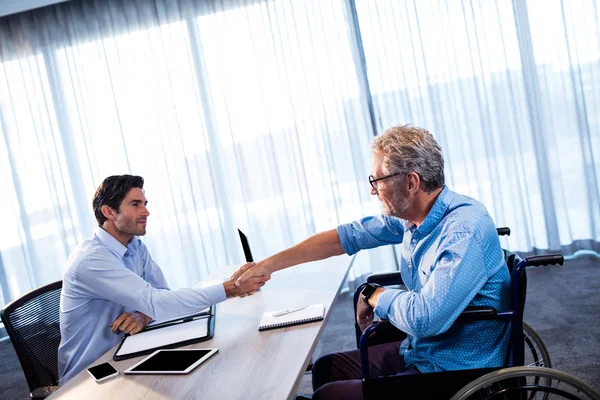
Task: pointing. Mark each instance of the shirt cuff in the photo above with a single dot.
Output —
(385, 300)
(215, 293)
(344, 233)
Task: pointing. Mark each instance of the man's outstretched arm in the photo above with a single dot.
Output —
(104, 278)
(317, 247)
(367, 233)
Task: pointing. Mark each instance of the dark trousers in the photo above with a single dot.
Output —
(338, 375)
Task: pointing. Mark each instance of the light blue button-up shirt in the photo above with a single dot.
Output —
(103, 279)
(451, 261)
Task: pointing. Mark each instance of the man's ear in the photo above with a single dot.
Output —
(108, 212)
(413, 182)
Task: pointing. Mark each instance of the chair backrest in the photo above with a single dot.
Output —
(32, 323)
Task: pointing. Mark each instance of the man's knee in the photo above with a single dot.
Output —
(321, 371)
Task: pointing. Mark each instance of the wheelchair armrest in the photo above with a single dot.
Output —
(386, 333)
(477, 313)
(386, 279)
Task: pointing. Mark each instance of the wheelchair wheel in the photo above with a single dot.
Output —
(536, 354)
(520, 383)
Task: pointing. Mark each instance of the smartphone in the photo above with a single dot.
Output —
(103, 372)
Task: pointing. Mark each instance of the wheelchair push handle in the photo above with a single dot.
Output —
(504, 231)
(550, 259)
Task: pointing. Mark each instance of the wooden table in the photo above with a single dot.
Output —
(249, 364)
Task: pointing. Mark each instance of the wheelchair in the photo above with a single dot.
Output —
(529, 377)
(536, 354)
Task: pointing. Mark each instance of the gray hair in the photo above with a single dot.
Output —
(411, 149)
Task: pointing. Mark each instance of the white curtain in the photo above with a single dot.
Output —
(258, 115)
(238, 114)
(511, 90)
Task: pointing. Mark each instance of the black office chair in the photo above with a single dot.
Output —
(32, 323)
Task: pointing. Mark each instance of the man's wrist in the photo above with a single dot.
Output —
(375, 297)
(272, 264)
(230, 288)
(368, 291)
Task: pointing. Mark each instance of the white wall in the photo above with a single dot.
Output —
(15, 6)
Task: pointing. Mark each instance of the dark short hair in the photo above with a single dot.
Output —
(112, 192)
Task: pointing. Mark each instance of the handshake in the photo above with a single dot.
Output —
(246, 280)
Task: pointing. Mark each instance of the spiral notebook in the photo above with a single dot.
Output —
(312, 313)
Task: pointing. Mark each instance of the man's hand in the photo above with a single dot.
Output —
(257, 270)
(247, 289)
(130, 323)
(364, 314)
(364, 310)
(241, 270)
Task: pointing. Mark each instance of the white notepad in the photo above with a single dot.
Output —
(164, 336)
(312, 313)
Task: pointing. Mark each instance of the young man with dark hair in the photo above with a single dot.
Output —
(111, 285)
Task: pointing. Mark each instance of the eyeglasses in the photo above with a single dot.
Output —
(372, 179)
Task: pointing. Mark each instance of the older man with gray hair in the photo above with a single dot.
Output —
(450, 259)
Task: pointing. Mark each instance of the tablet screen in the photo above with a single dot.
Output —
(171, 360)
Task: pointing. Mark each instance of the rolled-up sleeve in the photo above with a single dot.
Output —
(100, 277)
(456, 279)
(385, 301)
(370, 232)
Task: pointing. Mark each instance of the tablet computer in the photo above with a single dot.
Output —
(171, 361)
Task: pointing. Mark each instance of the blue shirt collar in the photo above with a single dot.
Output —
(436, 213)
(109, 241)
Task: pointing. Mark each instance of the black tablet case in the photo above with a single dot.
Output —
(209, 334)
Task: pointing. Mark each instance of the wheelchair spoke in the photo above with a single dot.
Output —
(535, 347)
(538, 360)
(527, 383)
(502, 389)
(538, 363)
(536, 353)
(545, 392)
(531, 387)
